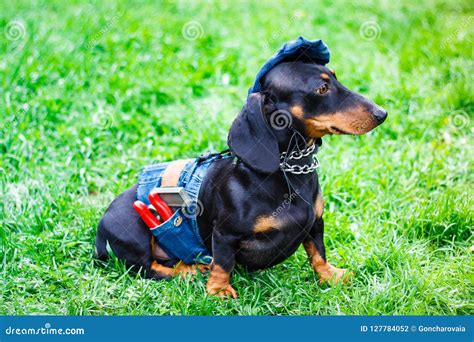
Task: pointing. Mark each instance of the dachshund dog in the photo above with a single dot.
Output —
(272, 142)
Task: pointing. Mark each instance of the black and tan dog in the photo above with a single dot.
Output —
(244, 220)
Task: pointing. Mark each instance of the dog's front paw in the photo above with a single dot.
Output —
(218, 283)
(333, 275)
(222, 292)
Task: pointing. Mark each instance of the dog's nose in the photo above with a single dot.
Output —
(380, 114)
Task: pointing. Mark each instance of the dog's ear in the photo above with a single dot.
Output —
(252, 139)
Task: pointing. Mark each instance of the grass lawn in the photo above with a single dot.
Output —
(90, 93)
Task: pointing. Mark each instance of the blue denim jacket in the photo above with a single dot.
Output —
(179, 236)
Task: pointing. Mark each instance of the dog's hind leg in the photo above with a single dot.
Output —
(131, 241)
(125, 232)
(159, 271)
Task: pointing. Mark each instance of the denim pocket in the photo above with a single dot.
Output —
(176, 237)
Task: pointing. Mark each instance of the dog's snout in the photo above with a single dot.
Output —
(380, 114)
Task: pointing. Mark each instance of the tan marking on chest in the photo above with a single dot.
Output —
(319, 204)
(265, 224)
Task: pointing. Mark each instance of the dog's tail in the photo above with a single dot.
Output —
(101, 243)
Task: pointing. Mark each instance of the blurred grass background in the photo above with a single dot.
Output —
(93, 91)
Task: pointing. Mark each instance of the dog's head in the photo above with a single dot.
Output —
(317, 102)
(306, 97)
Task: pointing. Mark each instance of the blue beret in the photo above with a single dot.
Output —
(300, 49)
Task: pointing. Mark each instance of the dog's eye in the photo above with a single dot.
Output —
(323, 89)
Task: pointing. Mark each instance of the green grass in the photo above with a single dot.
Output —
(93, 92)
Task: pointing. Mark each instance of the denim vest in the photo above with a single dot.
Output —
(179, 236)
